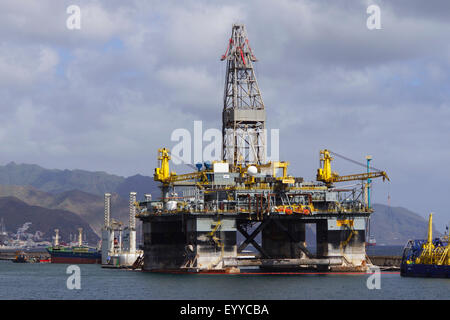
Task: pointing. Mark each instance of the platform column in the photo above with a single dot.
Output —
(284, 239)
(164, 243)
(343, 237)
(216, 240)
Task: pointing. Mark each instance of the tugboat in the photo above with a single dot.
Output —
(426, 258)
(20, 258)
(371, 241)
(45, 260)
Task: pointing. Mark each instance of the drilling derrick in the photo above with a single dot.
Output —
(244, 115)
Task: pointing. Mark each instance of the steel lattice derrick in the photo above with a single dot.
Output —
(243, 116)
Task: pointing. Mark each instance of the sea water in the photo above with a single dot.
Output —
(49, 281)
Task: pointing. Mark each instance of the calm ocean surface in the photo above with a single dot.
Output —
(48, 281)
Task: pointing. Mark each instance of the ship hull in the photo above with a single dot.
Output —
(75, 260)
(71, 257)
(424, 270)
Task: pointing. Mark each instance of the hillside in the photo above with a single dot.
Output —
(16, 213)
(56, 181)
(88, 206)
(60, 181)
(396, 225)
(91, 207)
(140, 184)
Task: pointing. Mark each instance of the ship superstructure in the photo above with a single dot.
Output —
(193, 227)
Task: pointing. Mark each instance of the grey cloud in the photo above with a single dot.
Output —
(107, 97)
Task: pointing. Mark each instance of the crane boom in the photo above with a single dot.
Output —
(325, 174)
(361, 176)
(186, 177)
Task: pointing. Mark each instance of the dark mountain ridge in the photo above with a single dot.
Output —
(88, 206)
(16, 213)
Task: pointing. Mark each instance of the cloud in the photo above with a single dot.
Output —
(107, 96)
(25, 66)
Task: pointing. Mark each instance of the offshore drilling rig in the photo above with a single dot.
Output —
(196, 231)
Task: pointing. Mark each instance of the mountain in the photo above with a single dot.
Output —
(16, 213)
(140, 184)
(56, 181)
(89, 207)
(92, 207)
(59, 181)
(396, 225)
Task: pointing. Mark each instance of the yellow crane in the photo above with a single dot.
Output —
(426, 256)
(431, 253)
(163, 174)
(325, 174)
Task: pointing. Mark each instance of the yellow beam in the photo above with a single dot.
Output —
(360, 176)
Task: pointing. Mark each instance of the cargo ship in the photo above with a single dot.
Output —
(80, 254)
(75, 255)
(426, 258)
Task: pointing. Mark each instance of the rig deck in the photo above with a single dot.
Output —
(187, 238)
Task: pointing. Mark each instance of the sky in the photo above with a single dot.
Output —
(106, 96)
